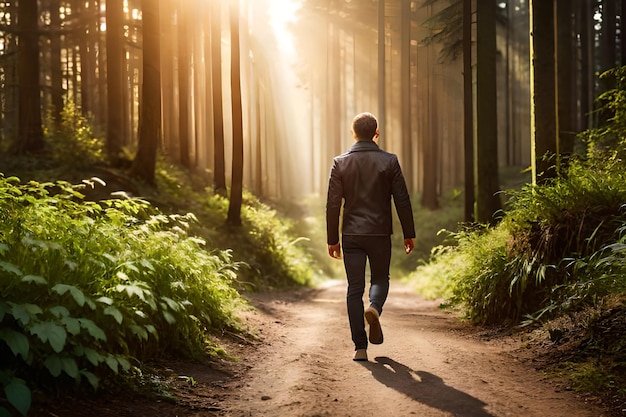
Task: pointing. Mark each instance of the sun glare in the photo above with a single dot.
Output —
(281, 14)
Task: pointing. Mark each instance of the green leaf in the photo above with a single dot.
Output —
(93, 357)
(59, 311)
(105, 300)
(4, 308)
(95, 331)
(18, 343)
(34, 279)
(54, 365)
(123, 363)
(90, 303)
(174, 305)
(169, 317)
(72, 325)
(93, 380)
(25, 312)
(70, 367)
(77, 294)
(112, 363)
(132, 290)
(9, 267)
(50, 332)
(115, 313)
(122, 275)
(151, 329)
(18, 395)
(4, 412)
(139, 331)
(147, 264)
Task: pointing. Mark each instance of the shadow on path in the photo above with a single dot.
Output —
(425, 388)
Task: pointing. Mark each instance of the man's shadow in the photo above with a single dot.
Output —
(425, 388)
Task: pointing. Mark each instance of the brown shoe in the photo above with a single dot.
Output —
(360, 355)
(376, 332)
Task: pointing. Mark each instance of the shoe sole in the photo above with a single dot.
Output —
(376, 332)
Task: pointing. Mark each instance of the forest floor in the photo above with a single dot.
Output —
(300, 364)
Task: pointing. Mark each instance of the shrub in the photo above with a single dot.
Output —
(87, 289)
(74, 143)
(557, 249)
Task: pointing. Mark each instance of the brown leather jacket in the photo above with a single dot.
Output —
(365, 178)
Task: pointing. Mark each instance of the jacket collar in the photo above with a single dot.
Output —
(364, 145)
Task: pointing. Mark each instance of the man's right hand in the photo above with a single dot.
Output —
(409, 244)
(335, 250)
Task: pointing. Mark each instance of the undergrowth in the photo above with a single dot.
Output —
(558, 252)
(89, 290)
(273, 253)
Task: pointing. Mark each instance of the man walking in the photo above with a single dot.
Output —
(365, 179)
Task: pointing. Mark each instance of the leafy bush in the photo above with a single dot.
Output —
(272, 253)
(74, 143)
(87, 289)
(608, 140)
(273, 257)
(557, 249)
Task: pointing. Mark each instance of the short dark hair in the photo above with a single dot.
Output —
(364, 126)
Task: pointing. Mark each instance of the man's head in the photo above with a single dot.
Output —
(364, 126)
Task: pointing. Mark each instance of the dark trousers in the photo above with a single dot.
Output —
(356, 251)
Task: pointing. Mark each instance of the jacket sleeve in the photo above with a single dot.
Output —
(402, 200)
(333, 205)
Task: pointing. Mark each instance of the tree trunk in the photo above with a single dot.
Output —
(219, 164)
(168, 84)
(184, 87)
(608, 49)
(608, 56)
(150, 119)
(115, 78)
(405, 93)
(29, 129)
(56, 74)
(382, 92)
(486, 135)
(333, 103)
(236, 187)
(430, 145)
(543, 101)
(103, 105)
(565, 87)
(86, 64)
(468, 112)
(587, 46)
(431, 156)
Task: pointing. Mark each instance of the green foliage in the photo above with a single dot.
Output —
(17, 393)
(87, 289)
(597, 363)
(608, 140)
(428, 224)
(74, 143)
(558, 249)
(275, 259)
(446, 28)
(271, 252)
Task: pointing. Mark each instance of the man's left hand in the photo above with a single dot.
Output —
(335, 250)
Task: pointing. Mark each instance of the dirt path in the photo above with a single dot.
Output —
(429, 365)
